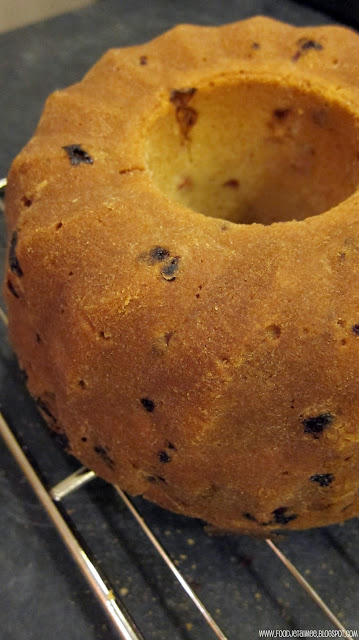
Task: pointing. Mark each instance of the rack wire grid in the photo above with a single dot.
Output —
(193, 585)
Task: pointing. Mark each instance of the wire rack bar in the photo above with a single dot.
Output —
(120, 618)
(309, 589)
(3, 183)
(184, 584)
(73, 482)
(81, 477)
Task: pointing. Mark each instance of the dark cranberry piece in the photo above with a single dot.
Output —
(13, 261)
(281, 516)
(163, 456)
(310, 44)
(281, 114)
(77, 154)
(324, 479)
(159, 254)
(26, 201)
(168, 271)
(181, 97)
(148, 404)
(305, 45)
(316, 425)
(186, 116)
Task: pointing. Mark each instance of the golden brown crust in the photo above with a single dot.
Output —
(210, 366)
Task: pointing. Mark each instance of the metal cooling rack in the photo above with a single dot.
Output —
(53, 498)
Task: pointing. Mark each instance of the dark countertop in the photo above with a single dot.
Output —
(42, 593)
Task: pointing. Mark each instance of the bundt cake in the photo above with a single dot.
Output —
(183, 272)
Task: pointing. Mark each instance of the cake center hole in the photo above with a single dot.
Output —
(254, 152)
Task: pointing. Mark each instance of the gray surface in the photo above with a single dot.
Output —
(42, 594)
